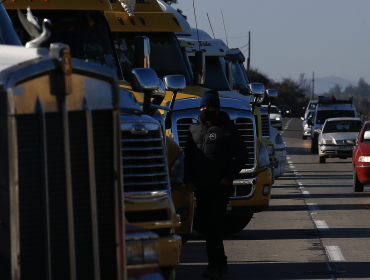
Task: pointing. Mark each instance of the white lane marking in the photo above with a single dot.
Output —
(334, 253)
(300, 183)
(306, 193)
(321, 225)
(301, 187)
(291, 166)
(313, 206)
(290, 161)
(287, 157)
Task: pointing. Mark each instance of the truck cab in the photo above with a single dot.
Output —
(84, 26)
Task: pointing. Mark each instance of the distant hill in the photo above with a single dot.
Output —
(324, 84)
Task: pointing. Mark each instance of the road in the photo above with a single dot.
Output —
(316, 227)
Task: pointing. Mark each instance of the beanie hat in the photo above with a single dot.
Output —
(210, 97)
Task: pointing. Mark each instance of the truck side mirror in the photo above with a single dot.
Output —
(142, 52)
(258, 90)
(229, 73)
(199, 68)
(271, 92)
(173, 83)
(145, 80)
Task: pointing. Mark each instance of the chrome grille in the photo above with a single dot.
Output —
(265, 119)
(183, 129)
(246, 129)
(144, 161)
(244, 125)
(345, 142)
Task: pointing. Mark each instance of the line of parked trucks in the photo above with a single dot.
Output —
(94, 117)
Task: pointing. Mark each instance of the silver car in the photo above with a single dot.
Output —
(338, 137)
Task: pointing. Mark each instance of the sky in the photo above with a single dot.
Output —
(289, 37)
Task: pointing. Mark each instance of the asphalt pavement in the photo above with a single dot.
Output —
(316, 227)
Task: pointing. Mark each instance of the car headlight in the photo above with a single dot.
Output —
(318, 130)
(134, 250)
(270, 150)
(364, 159)
(277, 119)
(287, 112)
(327, 142)
(305, 125)
(263, 157)
(177, 170)
(151, 251)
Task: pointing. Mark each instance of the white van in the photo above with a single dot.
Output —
(329, 107)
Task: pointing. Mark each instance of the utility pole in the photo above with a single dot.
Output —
(313, 85)
(249, 52)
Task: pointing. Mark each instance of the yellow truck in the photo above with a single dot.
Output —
(83, 26)
(150, 21)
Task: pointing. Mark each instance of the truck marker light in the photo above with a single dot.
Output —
(121, 21)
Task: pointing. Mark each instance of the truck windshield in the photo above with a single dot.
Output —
(166, 57)
(87, 34)
(322, 115)
(342, 126)
(8, 36)
(215, 73)
(238, 75)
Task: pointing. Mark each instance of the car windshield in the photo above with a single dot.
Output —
(87, 34)
(323, 115)
(342, 126)
(312, 106)
(367, 128)
(274, 110)
(239, 76)
(8, 36)
(166, 57)
(284, 107)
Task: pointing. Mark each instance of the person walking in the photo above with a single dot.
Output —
(215, 153)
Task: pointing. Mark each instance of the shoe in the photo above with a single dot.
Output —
(212, 272)
(224, 269)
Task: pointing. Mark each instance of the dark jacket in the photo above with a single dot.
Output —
(214, 152)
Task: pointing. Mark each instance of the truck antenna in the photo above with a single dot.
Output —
(214, 37)
(227, 42)
(196, 23)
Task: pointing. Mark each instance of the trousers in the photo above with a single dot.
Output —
(212, 205)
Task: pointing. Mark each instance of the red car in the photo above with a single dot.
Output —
(361, 159)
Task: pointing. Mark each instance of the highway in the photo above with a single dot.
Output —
(316, 227)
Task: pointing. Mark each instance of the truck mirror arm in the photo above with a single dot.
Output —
(168, 121)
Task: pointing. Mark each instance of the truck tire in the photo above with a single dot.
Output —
(314, 146)
(357, 185)
(231, 224)
(322, 159)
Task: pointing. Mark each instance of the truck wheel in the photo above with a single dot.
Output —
(322, 159)
(231, 224)
(169, 273)
(314, 143)
(357, 185)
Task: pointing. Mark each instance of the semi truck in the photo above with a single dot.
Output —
(144, 158)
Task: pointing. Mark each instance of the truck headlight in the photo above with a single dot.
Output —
(263, 157)
(177, 170)
(134, 251)
(150, 251)
(318, 130)
(270, 150)
(277, 119)
(327, 142)
(364, 159)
